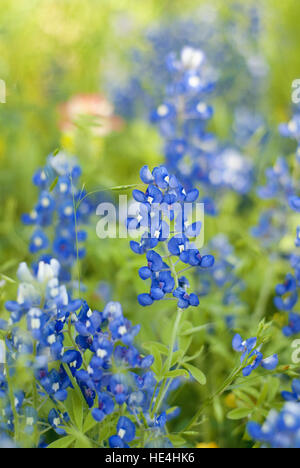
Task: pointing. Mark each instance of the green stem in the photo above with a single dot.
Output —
(35, 401)
(210, 400)
(74, 344)
(161, 392)
(12, 403)
(264, 293)
(172, 266)
(169, 360)
(75, 384)
(76, 238)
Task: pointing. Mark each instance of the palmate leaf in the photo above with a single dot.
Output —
(81, 440)
(89, 423)
(77, 410)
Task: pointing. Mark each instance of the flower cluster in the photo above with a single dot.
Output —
(281, 429)
(181, 82)
(165, 201)
(229, 45)
(61, 210)
(99, 359)
(251, 357)
(272, 227)
(192, 153)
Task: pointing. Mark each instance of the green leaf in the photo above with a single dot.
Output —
(123, 187)
(196, 373)
(7, 278)
(195, 356)
(245, 398)
(77, 410)
(191, 433)
(218, 410)
(264, 394)
(176, 440)
(64, 442)
(176, 357)
(177, 373)
(157, 365)
(191, 331)
(274, 387)
(81, 440)
(149, 345)
(53, 185)
(89, 423)
(239, 413)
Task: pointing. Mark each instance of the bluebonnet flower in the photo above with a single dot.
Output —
(171, 204)
(287, 294)
(279, 181)
(231, 169)
(271, 227)
(281, 429)
(251, 357)
(228, 44)
(60, 193)
(294, 395)
(105, 406)
(293, 326)
(106, 380)
(57, 420)
(39, 241)
(55, 383)
(181, 82)
(31, 418)
(125, 433)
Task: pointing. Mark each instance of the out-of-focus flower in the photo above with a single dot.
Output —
(280, 430)
(209, 445)
(92, 109)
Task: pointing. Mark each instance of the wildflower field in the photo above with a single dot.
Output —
(149, 229)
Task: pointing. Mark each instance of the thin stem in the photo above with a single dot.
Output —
(161, 393)
(76, 237)
(172, 266)
(74, 344)
(186, 269)
(12, 403)
(264, 293)
(119, 187)
(35, 400)
(209, 400)
(75, 384)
